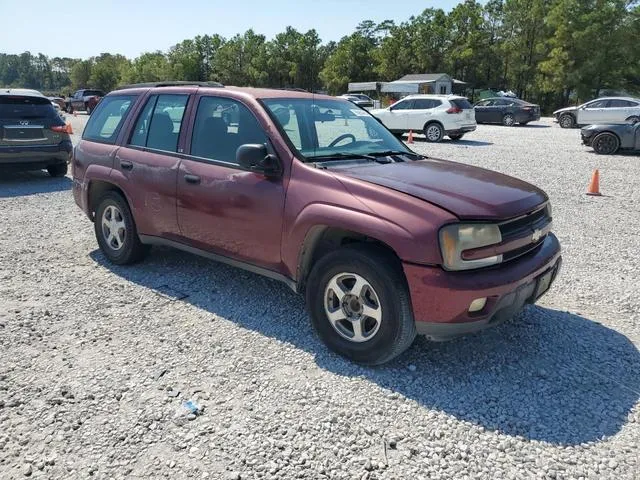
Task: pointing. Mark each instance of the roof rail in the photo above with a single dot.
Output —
(293, 89)
(177, 83)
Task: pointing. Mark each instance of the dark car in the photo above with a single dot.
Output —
(311, 191)
(608, 139)
(84, 100)
(359, 99)
(507, 111)
(32, 134)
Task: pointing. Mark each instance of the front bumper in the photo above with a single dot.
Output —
(34, 157)
(587, 140)
(441, 299)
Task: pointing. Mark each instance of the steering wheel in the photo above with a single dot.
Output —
(342, 137)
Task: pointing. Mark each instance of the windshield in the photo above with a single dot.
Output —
(27, 107)
(325, 128)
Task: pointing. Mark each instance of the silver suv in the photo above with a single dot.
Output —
(436, 116)
(601, 110)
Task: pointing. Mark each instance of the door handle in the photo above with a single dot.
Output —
(193, 179)
(126, 165)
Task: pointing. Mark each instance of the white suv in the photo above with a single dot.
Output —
(433, 115)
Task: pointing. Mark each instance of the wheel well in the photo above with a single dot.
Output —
(97, 189)
(431, 122)
(322, 240)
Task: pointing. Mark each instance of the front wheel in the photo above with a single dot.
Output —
(606, 143)
(434, 132)
(566, 121)
(456, 137)
(116, 230)
(58, 170)
(359, 304)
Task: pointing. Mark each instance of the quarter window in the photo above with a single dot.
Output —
(105, 123)
(221, 126)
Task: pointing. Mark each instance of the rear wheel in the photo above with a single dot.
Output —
(359, 304)
(456, 137)
(116, 230)
(58, 170)
(508, 120)
(566, 121)
(606, 143)
(434, 132)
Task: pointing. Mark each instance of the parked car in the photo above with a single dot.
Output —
(33, 136)
(606, 110)
(84, 100)
(59, 101)
(507, 111)
(315, 192)
(609, 139)
(359, 99)
(436, 116)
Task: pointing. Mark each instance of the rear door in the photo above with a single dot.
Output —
(619, 110)
(28, 121)
(149, 160)
(421, 111)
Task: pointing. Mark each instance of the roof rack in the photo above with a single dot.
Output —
(293, 89)
(177, 83)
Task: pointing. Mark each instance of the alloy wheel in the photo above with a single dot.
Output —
(352, 307)
(113, 227)
(433, 133)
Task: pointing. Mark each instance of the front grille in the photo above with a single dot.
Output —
(523, 228)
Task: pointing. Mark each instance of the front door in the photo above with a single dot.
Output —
(221, 207)
(149, 163)
(396, 117)
(594, 112)
(483, 111)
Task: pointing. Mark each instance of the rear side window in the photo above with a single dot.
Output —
(621, 104)
(461, 103)
(105, 123)
(425, 104)
(158, 126)
(26, 107)
(221, 126)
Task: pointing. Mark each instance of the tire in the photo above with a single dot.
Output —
(113, 206)
(69, 109)
(633, 119)
(508, 120)
(605, 143)
(385, 286)
(433, 132)
(58, 170)
(89, 110)
(567, 121)
(456, 137)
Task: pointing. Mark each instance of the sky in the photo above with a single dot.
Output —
(84, 28)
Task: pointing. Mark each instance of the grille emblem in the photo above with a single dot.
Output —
(537, 235)
(24, 122)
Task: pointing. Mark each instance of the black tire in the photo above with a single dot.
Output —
(567, 121)
(58, 170)
(396, 330)
(131, 249)
(69, 109)
(456, 137)
(605, 143)
(633, 119)
(508, 120)
(434, 132)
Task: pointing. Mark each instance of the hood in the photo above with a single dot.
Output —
(468, 192)
(566, 109)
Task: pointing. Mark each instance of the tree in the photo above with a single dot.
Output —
(80, 73)
(242, 60)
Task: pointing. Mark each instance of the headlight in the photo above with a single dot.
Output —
(454, 239)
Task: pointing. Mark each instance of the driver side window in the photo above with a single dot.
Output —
(402, 105)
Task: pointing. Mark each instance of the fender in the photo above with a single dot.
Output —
(316, 217)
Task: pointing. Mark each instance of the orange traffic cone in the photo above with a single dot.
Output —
(410, 140)
(594, 186)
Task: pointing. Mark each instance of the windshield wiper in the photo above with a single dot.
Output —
(387, 153)
(347, 156)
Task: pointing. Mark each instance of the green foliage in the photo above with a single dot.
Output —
(549, 51)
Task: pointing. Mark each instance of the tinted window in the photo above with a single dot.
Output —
(425, 103)
(17, 107)
(462, 103)
(404, 105)
(88, 93)
(221, 126)
(160, 130)
(105, 123)
(598, 104)
(484, 103)
(621, 104)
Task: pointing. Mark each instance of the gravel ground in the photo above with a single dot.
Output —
(96, 360)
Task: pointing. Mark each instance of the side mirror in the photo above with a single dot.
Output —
(256, 158)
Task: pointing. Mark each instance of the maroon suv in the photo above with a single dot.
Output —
(315, 192)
